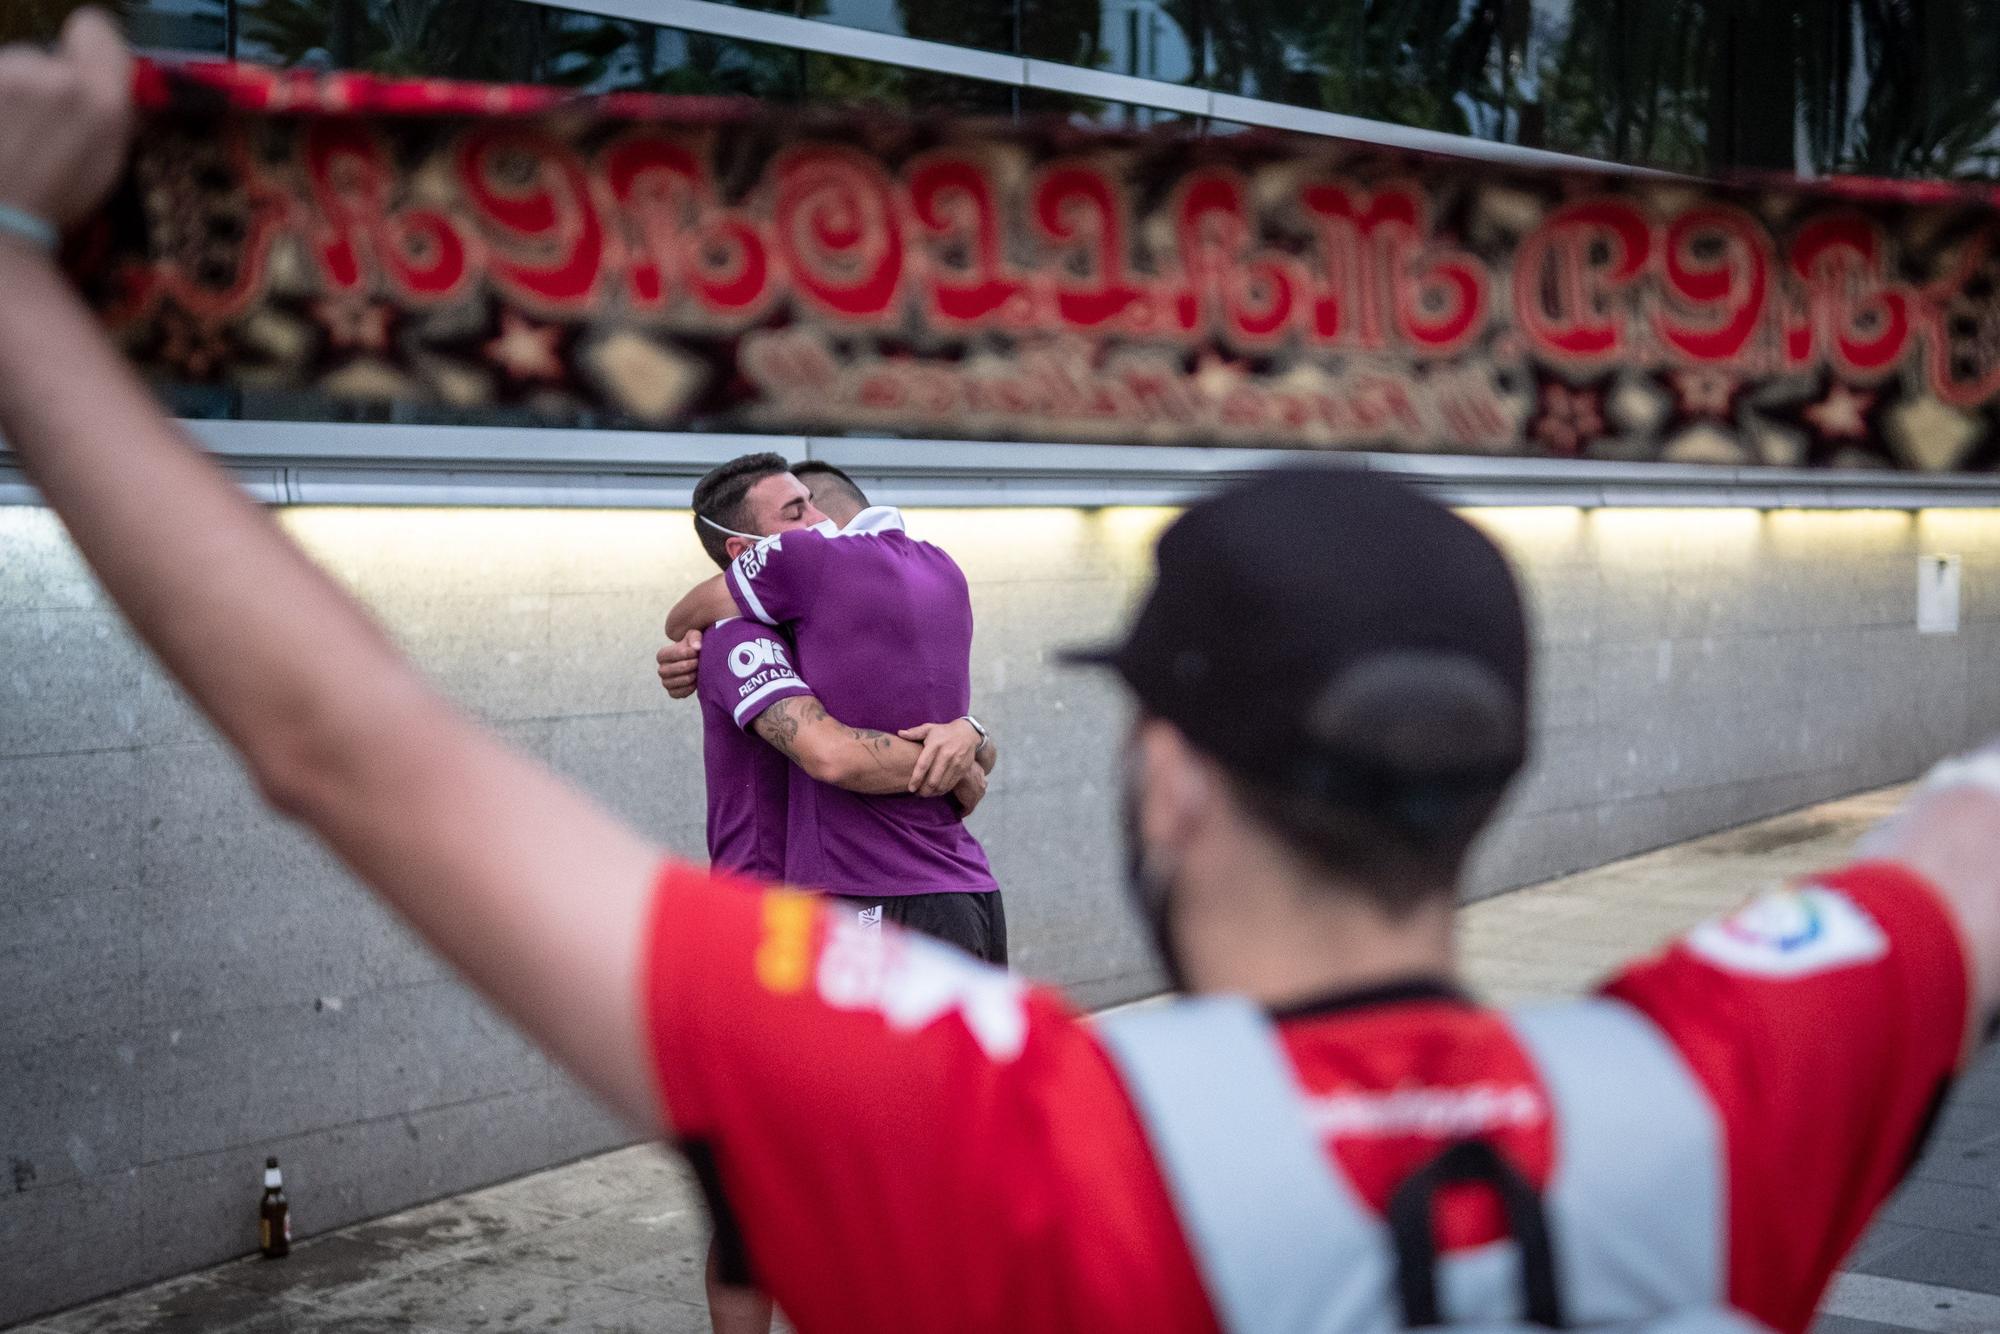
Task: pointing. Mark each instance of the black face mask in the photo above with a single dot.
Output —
(1150, 889)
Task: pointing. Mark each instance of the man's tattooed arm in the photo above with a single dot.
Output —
(780, 723)
(860, 759)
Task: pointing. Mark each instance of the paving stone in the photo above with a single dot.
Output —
(461, 1226)
(1880, 1240)
(1974, 1210)
(201, 1306)
(643, 1172)
(1974, 1162)
(473, 1297)
(322, 1269)
(1840, 1324)
(1945, 1259)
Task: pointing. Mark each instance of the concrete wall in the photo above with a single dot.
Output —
(187, 985)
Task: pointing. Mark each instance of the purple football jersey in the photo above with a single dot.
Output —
(883, 627)
(745, 669)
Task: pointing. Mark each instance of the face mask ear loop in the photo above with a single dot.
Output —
(1149, 887)
(748, 537)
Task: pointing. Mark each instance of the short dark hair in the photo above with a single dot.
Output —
(821, 468)
(719, 497)
(1408, 755)
(1397, 859)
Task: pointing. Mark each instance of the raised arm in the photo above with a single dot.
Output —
(1948, 832)
(705, 604)
(534, 893)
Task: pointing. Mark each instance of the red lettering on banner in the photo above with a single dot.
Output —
(1442, 306)
(1968, 374)
(1851, 312)
(546, 240)
(1251, 295)
(838, 231)
(1350, 305)
(1386, 275)
(953, 199)
(1569, 274)
(1067, 201)
(682, 262)
(202, 291)
(419, 250)
(685, 238)
(1723, 295)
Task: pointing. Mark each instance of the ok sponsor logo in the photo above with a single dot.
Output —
(755, 655)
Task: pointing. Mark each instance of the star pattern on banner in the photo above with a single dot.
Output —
(1568, 418)
(1217, 375)
(1705, 394)
(527, 351)
(1839, 422)
(350, 323)
(1842, 414)
(192, 345)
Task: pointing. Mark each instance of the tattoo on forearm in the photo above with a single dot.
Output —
(780, 723)
(879, 741)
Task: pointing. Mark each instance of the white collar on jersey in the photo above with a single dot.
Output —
(874, 519)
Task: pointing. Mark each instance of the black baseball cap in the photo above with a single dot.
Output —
(1334, 633)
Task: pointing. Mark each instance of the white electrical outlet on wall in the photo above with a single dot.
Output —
(1937, 595)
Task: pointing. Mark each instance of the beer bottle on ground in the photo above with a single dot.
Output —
(274, 1216)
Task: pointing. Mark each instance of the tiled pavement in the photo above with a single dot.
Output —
(614, 1244)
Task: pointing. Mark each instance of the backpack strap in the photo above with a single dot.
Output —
(1636, 1199)
(1630, 1225)
(1413, 1224)
(1282, 1241)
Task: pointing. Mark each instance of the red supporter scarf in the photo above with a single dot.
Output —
(706, 265)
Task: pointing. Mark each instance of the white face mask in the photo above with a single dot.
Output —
(827, 527)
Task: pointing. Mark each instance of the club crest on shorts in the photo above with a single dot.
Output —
(1791, 933)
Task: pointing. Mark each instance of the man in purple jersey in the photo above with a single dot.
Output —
(882, 625)
(746, 672)
(747, 684)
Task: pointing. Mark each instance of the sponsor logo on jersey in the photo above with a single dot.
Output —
(754, 655)
(1431, 1113)
(783, 960)
(870, 918)
(913, 982)
(1791, 933)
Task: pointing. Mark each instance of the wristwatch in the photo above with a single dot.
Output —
(984, 735)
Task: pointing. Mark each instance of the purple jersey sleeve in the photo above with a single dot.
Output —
(777, 580)
(752, 670)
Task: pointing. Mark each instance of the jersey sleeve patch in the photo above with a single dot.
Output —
(760, 673)
(1791, 933)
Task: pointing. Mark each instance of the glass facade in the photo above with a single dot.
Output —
(1859, 86)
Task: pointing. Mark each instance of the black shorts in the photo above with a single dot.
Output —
(976, 923)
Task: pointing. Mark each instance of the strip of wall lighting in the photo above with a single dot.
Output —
(327, 463)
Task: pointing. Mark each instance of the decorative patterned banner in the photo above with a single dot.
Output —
(695, 265)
